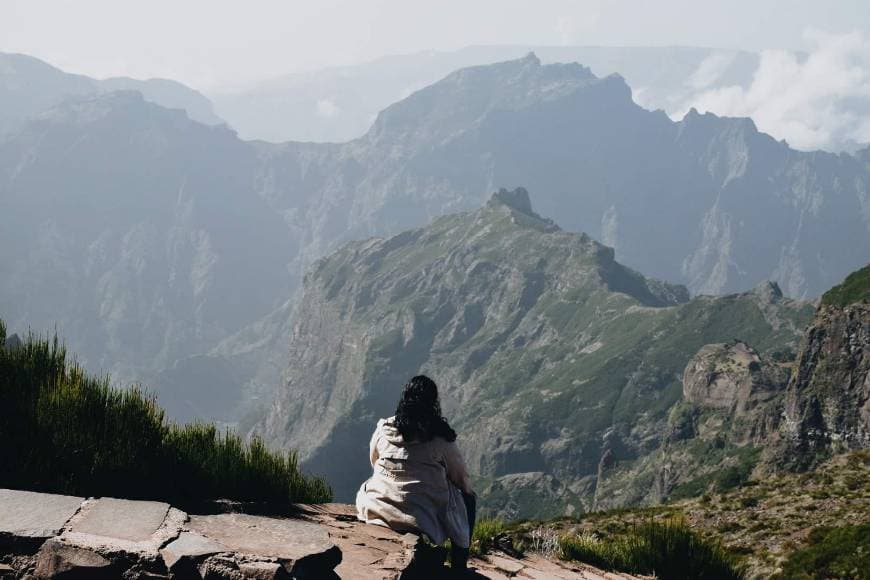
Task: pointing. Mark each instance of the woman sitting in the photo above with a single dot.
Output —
(420, 483)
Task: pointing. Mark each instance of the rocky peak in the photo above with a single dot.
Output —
(517, 199)
(458, 103)
(768, 291)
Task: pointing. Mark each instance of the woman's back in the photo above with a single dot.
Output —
(416, 486)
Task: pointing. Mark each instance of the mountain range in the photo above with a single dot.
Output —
(171, 251)
(29, 86)
(341, 103)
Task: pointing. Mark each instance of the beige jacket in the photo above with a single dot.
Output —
(415, 487)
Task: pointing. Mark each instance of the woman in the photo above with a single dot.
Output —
(420, 483)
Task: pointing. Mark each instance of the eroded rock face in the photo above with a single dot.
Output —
(732, 377)
(828, 401)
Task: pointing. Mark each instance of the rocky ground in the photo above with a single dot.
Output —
(764, 521)
(46, 536)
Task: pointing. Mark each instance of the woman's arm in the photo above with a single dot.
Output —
(456, 471)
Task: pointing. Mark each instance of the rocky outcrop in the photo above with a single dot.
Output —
(828, 402)
(112, 538)
(558, 365)
(729, 377)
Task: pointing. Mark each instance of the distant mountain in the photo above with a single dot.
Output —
(149, 238)
(137, 232)
(341, 103)
(707, 201)
(29, 86)
(560, 367)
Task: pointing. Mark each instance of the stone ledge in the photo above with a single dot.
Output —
(140, 540)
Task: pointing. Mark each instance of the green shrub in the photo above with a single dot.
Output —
(64, 431)
(855, 288)
(486, 534)
(832, 553)
(668, 549)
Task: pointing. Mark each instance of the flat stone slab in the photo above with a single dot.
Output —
(134, 521)
(283, 539)
(29, 514)
(109, 525)
(189, 545)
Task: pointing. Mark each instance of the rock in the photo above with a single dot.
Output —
(263, 571)
(62, 561)
(134, 529)
(731, 377)
(13, 341)
(219, 568)
(134, 521)
(517, 199)
(304, 548)
(507, 565)
(35, 515)
(827, 407)
(188, 550)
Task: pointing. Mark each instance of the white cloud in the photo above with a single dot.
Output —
(816, 101)
(710, 69)
(327, 108)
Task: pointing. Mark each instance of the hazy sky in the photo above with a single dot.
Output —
(209, 43)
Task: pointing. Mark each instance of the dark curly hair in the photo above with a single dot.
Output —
(418, 416)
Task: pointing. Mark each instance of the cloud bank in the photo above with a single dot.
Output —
(817, 100)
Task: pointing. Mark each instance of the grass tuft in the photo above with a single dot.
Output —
(486, 536)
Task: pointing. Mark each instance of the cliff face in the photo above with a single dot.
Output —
(558, 366)
(828, 402)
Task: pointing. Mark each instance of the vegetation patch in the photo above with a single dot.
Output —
(491, 534)
(855, 288)
(842, 552)
(667, 549)
(64, 431)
